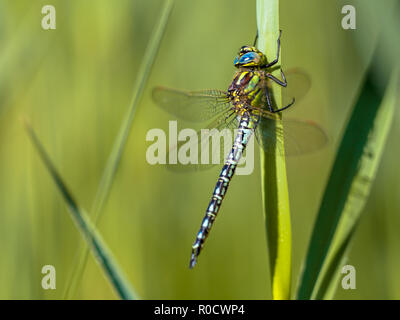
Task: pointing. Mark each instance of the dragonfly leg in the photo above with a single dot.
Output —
(269, 103)
(255, 39)
(277, 55)
(282, 83)
(285, 107)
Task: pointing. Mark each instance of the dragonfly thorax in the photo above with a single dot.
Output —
(247, 89)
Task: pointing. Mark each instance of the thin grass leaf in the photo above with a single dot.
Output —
(349, 185)
(89, 232)
(330, 274)
(273, 170)
(120, 142)
(358, 195)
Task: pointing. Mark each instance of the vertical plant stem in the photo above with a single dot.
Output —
(273, 169)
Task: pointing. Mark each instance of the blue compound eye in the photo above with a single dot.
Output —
(236, 60)
(246, 58)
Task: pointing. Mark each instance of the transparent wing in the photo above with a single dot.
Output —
(297, 136)
(298, 85)
(194, 106)
(205, 148)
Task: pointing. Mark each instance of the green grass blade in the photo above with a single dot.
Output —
(348, 187)
(88, 230)
(119, 144)
(120, 141)
(359, 191)
(273, 170)
(330, 274)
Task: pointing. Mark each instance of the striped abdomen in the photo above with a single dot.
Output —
(246, 127)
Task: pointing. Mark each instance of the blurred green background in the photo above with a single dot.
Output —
(75, 84)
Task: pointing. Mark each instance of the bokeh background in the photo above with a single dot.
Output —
(75, 84)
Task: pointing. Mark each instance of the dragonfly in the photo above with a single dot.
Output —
(247, 106)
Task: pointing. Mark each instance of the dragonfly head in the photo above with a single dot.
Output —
(250, 57)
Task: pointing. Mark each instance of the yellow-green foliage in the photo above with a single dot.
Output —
(75, 84)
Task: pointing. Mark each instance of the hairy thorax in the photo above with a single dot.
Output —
(247, 89)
